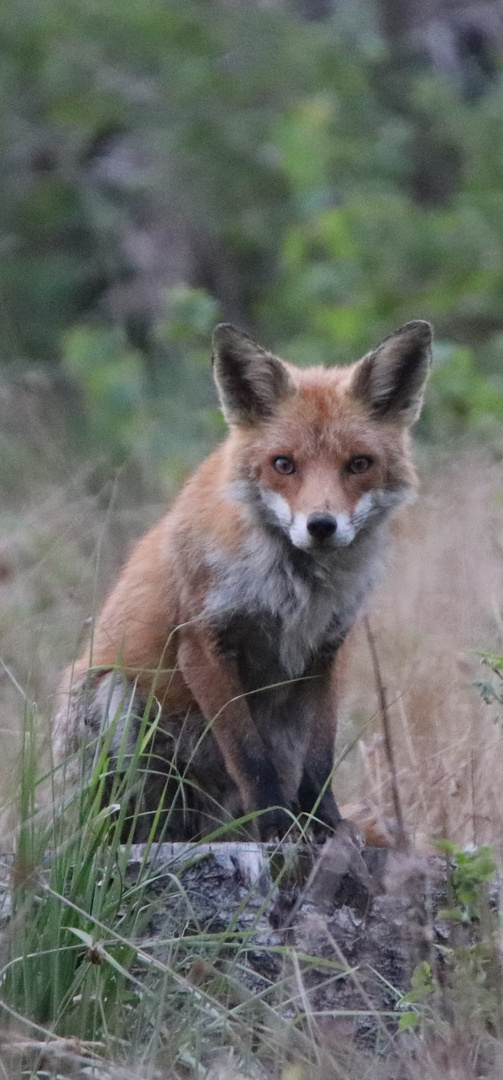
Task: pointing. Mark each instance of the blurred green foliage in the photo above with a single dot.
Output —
(315, 191)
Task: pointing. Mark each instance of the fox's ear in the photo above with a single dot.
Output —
(250, 381)
(391, 378)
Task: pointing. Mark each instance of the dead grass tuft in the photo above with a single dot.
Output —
(441, 601)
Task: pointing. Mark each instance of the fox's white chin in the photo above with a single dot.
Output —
(296, 525)
(300, 536)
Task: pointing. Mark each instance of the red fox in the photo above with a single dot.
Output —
(226, 621)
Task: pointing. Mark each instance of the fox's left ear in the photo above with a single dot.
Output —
(391, 378)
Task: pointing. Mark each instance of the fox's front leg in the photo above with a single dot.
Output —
(213, 680)
(317, 703)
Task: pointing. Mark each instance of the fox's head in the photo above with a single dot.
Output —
(321, 453)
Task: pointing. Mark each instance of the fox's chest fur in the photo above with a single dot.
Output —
(277, 610)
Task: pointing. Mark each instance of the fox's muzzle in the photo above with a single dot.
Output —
(321, 526)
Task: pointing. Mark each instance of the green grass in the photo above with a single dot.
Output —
(78, 959)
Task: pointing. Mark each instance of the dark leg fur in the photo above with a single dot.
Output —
(323, 807)
(184, 771)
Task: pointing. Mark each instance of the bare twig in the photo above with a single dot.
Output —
(402, 840)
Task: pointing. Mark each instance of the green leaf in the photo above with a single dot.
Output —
(408, 1020)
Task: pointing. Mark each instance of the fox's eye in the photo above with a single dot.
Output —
(283, 465)
(359, 464)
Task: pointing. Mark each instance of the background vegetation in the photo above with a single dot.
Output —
(166, 164)
(317, 174)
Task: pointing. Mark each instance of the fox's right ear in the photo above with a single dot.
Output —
(250, 381)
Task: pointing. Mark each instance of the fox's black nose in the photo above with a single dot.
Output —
(321, 526)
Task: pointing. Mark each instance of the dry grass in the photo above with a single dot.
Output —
(65, 529)
(440, 603)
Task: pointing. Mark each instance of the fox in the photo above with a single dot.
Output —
(228, 618)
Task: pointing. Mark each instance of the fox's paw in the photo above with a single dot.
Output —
(321, 830)
(274, 824)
